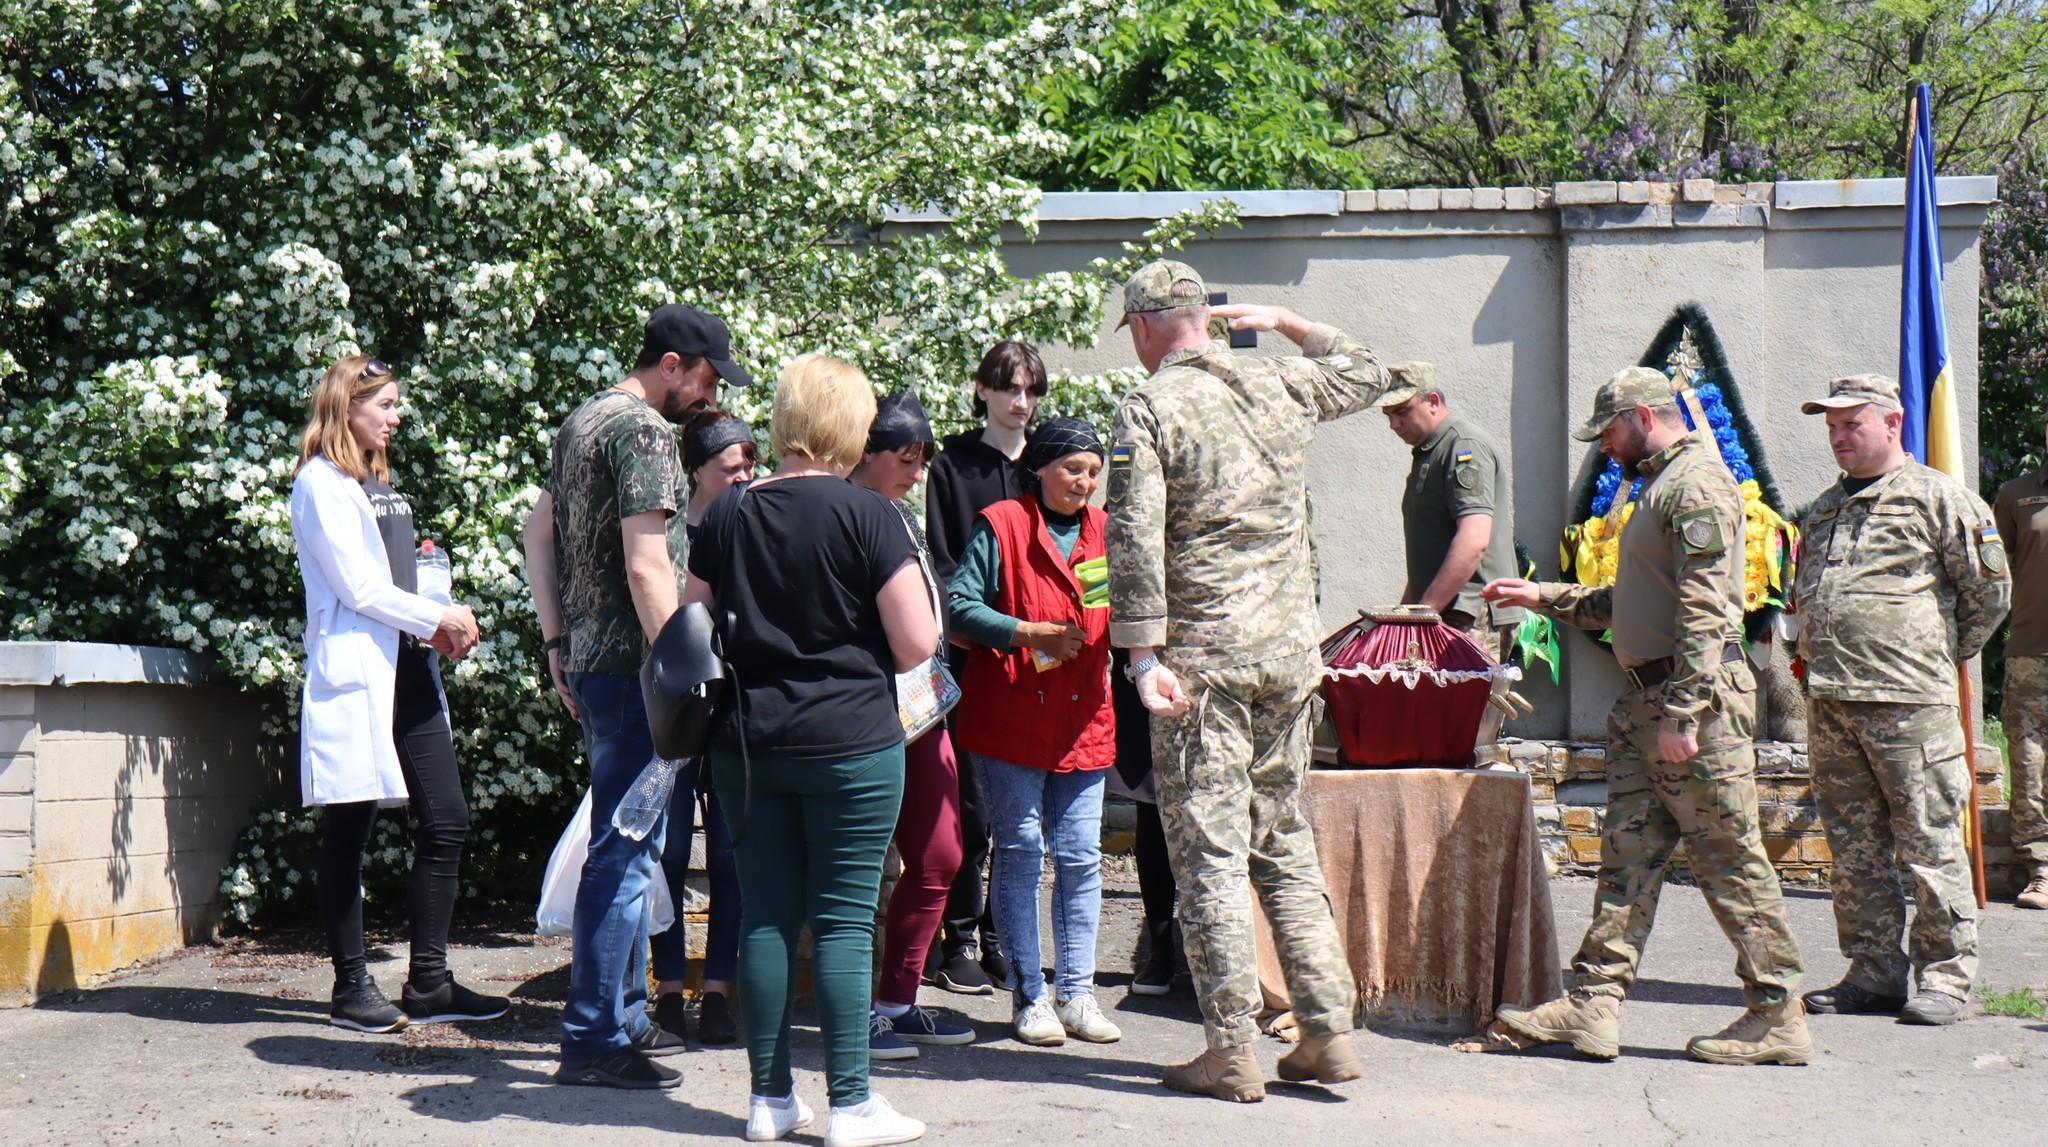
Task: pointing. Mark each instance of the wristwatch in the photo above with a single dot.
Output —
(1137, 668)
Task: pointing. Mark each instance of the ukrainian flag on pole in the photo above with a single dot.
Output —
(1927, 387)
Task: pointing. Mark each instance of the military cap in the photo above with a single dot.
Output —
(1629, 388)
(1406, 380)
(1162, 285)
(1856, 390)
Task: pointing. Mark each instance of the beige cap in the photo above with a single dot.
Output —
(1629, 388)
(1856, 390)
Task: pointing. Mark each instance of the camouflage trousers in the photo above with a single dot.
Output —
(1709, 803)
(1229, 774)
(1891, 782)
(1498, 642)
(2026, 736)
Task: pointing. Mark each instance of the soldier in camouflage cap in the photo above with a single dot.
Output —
(1681, 758)
(1211, 592)
(1902, 578)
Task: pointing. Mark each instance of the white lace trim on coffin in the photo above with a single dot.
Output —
(1411, 677)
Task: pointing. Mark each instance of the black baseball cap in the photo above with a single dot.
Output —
(686, 330)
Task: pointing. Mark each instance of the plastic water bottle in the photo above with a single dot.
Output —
(646, 802)
(435, 578)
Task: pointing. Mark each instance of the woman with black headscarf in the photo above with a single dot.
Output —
(900, 444)
(1035, 713)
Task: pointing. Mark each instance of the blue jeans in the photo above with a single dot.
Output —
(1030, 809)
(608, 963)
(722, 942)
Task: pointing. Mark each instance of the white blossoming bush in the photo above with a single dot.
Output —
(202, 204)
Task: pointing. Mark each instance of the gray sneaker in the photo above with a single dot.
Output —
(1931, 1009)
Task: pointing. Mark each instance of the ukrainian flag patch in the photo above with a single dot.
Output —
(1121, 453)
(1987, 533)
(1461, 457)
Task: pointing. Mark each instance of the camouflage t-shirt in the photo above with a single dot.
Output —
(614, 458)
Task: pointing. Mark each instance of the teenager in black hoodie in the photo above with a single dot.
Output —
(974, 470)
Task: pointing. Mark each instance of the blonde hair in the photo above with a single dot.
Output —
(327, 434)
(823, 408)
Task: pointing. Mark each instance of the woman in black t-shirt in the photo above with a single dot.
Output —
(822, 603)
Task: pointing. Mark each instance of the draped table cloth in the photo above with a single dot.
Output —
(1440, 893)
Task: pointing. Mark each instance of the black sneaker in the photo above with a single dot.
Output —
(1154, 976)
(962, 973)
(714, 1020)
(670, 1015)
(657, 1041)
(625, 1068)
(994, 964)
(451, 1002)
(1847, 999)
(359, 1006)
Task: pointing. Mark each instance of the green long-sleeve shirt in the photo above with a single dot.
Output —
(979, 575)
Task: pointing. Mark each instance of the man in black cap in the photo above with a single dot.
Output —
(605, 549)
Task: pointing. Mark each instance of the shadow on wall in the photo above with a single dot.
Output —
(58, 969)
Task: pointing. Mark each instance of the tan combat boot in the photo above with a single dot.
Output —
(2036, 894)
(1591, 1024)
(1232, 1075)
(1324, 1058)
(1774, 1034)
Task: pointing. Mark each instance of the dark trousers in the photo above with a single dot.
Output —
(426, 755)
(671, 949)
(968, 915)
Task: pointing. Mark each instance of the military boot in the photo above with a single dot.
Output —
(1324, 1058)
(1591, 1024)
(1773, 1034)
(1232, 1075)
(2036, 893)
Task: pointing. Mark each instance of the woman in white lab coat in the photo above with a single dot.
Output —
(373, 727)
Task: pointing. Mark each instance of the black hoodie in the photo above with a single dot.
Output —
(966, 478)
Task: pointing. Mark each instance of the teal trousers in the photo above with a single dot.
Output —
(816, 832)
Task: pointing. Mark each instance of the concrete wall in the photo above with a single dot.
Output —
(1527, 299)
(124, 783)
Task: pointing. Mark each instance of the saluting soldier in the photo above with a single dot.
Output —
(2021, 512)
(1456, 515)
(1681, 764)
(1211, 593)
(1901, 579)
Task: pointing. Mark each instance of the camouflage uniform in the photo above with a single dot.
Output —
(1898, 583)
(2021, 511)
(1675, 610)
(1209, 564)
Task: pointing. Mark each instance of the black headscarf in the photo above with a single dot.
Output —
(712, 439)
(1055, 438)
(899, 421)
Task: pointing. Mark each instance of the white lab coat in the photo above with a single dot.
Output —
(353, 617)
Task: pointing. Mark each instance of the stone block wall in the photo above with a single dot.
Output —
(1569, 781)
(123, 787)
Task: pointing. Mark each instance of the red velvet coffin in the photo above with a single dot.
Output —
(1404, 689)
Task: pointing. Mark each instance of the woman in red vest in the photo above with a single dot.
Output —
(1036, 715)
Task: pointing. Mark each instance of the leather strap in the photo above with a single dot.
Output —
(1651, 674)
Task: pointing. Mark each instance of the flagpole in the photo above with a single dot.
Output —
(1966, 704)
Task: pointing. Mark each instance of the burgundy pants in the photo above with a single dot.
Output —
(928, 838)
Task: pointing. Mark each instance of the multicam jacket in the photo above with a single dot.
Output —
(1898, 583)
(1677, 592)
(1209, 549)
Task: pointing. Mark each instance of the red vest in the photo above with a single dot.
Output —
(1059, 720)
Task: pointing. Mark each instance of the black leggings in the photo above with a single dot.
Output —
(1155, 871)
(426, 754)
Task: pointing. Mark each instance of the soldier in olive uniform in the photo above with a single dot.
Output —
(1901, 579)
(2021, 511)
(1456, 516)
(1681, 765)
(1211, 593)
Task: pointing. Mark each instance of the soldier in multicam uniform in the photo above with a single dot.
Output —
(1901, 579)
(2021, 511)
(1211, 593)
(1681, 765)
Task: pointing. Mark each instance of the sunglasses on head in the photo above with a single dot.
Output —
(376, 368)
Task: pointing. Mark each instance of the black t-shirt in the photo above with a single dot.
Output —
(394, 522)
(799, 563)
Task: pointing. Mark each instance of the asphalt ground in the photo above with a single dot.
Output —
(228, 1044)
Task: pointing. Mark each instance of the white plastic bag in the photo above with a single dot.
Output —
(557, 914)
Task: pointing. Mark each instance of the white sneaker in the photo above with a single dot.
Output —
(1035, 1023)
(1084, 1020)
(870, 1124)
(771, 1119)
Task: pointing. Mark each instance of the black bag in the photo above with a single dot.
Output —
(682, 681)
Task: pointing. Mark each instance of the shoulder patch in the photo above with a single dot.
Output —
(1992, 555)
(1338, 362)
(1121, 455)
(1700, 531)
